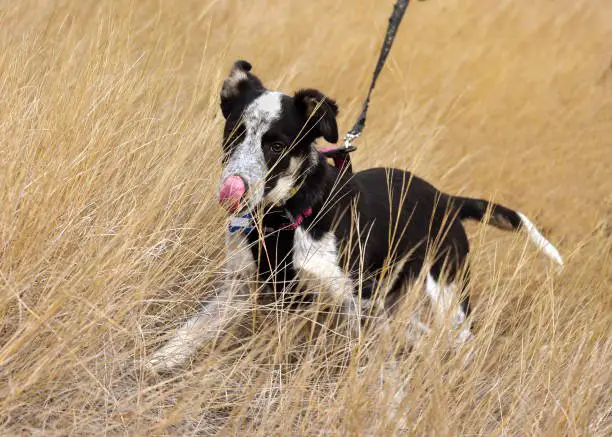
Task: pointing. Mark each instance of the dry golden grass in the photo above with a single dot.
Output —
(110, 232)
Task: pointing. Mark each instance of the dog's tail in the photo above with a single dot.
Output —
(507, 219)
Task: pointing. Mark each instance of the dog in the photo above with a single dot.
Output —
(323, 228)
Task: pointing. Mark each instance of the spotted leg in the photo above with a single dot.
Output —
(229, 303)
(213, 319)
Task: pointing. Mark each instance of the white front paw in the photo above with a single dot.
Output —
(169, 358)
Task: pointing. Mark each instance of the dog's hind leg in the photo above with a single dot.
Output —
(442, 296)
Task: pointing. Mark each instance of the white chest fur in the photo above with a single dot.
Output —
(317, 260)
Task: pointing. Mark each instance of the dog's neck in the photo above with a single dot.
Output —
(314, 189)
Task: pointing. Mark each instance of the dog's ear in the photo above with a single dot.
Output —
(239, 81)
(321, 111)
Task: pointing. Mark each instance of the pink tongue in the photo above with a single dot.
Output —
(231, 193)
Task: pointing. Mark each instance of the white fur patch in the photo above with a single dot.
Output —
(230, 85)
(539, 240)
(317, 261)
(442, 300)
(263, 110)
(229, 303)
(285, 184)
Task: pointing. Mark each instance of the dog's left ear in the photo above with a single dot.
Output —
(321, 111)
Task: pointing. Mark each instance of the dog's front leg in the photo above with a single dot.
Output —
(225, 308)
(352, 309)
(317, 263)
(229, 303)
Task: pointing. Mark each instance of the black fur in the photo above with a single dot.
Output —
(320, 112)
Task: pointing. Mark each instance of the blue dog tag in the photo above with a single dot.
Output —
(243, 223)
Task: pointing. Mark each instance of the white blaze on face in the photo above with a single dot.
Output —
(248, 160)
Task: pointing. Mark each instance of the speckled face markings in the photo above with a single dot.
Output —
(247, 159)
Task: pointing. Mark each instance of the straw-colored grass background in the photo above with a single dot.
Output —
(110, 232)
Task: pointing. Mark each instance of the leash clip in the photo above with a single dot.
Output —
(348, 141)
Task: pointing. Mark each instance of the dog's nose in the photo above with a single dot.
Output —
(231, 193)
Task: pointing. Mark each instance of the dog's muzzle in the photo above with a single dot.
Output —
(231, 193)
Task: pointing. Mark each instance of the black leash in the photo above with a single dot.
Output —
(394, 21)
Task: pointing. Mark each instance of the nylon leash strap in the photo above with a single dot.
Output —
(394, 21)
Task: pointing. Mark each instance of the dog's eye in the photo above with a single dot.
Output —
(277, 148)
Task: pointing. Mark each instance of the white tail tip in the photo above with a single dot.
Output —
(543, 244)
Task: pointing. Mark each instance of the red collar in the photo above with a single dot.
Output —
(291, 226)
(300, 218)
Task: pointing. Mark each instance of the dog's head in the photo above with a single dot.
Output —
(268, 140)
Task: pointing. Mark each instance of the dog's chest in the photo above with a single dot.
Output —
(318, 261)
(315, 257)
(273, 256)
(282, 257)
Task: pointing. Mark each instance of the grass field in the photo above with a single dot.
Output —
(110, 232)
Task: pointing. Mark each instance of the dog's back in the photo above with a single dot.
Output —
(384, 216)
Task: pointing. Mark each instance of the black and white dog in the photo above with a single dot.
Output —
(324, 228)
